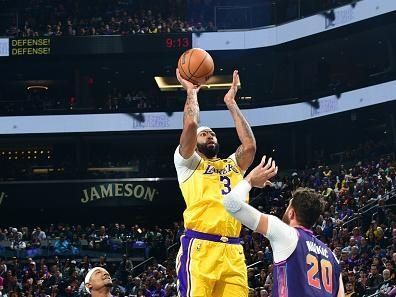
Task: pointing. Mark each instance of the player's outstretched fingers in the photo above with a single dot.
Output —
(271, 172)
(274, 171)
(268, 165)
(273, 166)
(262, 162)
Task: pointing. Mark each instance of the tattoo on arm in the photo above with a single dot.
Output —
(233, 109)
(245, 134)
(191, 108)
(239, 153)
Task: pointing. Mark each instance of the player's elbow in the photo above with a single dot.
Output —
(249, 145)
(241, 211)
(231, 204)
(250, 148)
(249, 151)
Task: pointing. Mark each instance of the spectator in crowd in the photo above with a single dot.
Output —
(350, 290)
(387, 284)
(374, 279)
(263, 292)
(125, 268)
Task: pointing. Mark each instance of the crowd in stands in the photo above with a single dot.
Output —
(61, 276)
(123, 17)
(116, 101)
(367, 150)
(358, 224)
(31, 164)
(55, 277)
(65, 239)
(90, 18)
(130, 100)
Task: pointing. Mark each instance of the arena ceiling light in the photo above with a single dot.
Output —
(216, 82)
(37, 88)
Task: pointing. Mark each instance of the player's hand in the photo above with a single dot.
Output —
(260, 176)
(229, 98)
(185, 83)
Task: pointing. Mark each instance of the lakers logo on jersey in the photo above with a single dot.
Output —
(210, 169)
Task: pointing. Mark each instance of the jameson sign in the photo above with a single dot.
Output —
(90, 193)
(114, 190)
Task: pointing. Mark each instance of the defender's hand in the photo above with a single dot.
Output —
(229, 98)
(260, 176)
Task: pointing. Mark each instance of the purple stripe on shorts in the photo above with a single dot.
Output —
(282, 281)
(188, 267)
(183, 275)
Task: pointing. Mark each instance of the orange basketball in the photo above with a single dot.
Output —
(196, 66)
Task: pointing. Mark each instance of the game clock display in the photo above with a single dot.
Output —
(178, 43)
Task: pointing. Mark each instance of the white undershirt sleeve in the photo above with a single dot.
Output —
(235, 204)
(282, 237)
(185, 167)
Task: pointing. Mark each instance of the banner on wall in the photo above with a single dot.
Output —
(86, 193)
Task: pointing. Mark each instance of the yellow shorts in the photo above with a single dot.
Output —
(209, 268)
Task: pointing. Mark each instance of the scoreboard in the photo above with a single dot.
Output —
(91, 45)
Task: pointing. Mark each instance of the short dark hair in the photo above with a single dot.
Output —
(308, 206)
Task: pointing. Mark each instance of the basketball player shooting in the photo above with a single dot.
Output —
(210, 261)
(303, 265)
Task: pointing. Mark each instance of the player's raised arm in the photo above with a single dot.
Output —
(188, 138)
(246, 151)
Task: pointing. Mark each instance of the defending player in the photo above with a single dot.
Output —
(303, 265)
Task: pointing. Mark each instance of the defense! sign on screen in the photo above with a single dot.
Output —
(30, 46)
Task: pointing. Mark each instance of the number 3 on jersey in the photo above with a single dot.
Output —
(227, 184)
(326, 273)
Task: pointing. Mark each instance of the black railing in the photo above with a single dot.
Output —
(364, 215)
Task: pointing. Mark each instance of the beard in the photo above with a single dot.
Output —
(208, 152)
(285, 218)
(109, 283)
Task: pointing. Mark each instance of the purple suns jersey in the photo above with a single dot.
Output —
(311, 271)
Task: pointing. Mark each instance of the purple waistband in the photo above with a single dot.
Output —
(212, 237)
